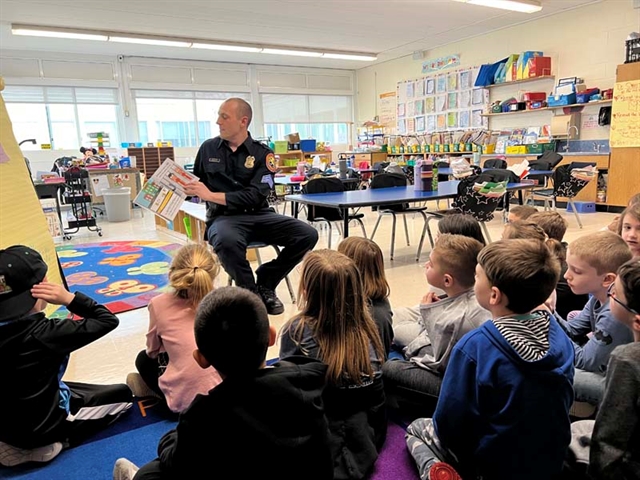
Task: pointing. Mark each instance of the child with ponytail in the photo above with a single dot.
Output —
(167, 368)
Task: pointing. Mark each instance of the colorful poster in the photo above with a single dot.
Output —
(464, 119)
(431, 86)
(401, 111)
(411, 125)
(387, 109)
(464, 99)
(430, 104)
(431, 123)
(442, 122)
(420, 124)
(452, 120)
(419, 107)
(441, 84)
(465, 80)
(452, 82)
(476, 118)
(477, 97)
(452, 102)
(419, 88)
(441, 63)
(441, 103)
(625, 115)
(410, 90)
(402, 126)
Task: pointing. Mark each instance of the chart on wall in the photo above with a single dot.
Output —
(443, 102)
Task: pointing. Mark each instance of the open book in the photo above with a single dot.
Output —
(163, 193)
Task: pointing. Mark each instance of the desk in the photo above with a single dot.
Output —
(383, 196)
(50, 190)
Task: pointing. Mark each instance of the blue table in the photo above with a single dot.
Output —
(383, 196)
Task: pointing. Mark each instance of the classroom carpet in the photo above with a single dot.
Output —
(122, 275)
(136, 437)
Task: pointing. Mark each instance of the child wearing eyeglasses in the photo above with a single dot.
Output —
(592, 261)
(610, 444)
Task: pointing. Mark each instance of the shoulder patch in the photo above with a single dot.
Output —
(271, 162)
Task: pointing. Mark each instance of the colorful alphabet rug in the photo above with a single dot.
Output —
(120, 275)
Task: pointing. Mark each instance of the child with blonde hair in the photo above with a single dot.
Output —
(629, 228)
(414, 381)
(370, 261)
(521, 212)
(335, 326)
(171, 316)
(592, 264)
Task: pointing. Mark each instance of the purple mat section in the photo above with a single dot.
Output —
(394, 461)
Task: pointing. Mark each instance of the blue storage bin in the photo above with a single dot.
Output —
(308, 145)
(582, 207)
(561, 100)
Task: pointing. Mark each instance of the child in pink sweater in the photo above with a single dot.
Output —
(167, 368)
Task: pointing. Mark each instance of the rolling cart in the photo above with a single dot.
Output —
(78, 195)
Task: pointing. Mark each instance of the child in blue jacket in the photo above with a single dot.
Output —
(503, 411)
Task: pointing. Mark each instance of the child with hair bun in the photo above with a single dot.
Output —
(167, 368)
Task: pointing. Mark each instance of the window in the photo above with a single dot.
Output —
(62, 116)
(325, 118)
(29, 120)
(184, 118)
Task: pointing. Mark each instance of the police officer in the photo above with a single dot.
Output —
(236, 175)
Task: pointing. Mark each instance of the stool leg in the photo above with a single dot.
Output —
(364, 232)
(575, 212)
(330, 233)
(486, 231)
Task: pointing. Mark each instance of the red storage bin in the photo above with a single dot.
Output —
(539, 66)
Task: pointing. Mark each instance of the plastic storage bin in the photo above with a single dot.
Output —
(280, 146)
(582, 207)
(308, 145)
(117, 202)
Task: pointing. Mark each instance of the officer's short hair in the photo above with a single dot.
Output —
(243, 108)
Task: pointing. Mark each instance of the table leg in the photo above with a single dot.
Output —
(345, 215)
(294, 209)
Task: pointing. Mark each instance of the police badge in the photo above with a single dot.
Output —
(249, 162)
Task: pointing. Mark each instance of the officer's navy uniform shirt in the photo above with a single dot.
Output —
(246, 175)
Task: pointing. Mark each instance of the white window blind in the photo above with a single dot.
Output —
(306, 108)
(67, 95)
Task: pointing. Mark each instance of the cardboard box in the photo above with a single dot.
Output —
(537, 67)
(523, 62)
(292, 138)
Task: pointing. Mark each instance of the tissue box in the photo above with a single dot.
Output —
(516, 149)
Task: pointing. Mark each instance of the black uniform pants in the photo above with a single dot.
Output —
(230, 234)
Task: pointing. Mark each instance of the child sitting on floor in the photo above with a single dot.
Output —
(610, 445)
(177, 378)
(406, 326)
(39, 413)
(414, 381)
(335, 326)
(521, 212)
(503, 411)
(629, 228)
(260, 422)
(592, 262)
(369, 260)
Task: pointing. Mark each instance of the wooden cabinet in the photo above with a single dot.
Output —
(289, 160)
(370, 157)
(149, 159)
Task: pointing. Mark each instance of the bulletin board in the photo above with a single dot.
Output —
(22, 221)
(442, 102)
(625, 115)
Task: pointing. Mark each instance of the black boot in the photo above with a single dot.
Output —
(271, 301)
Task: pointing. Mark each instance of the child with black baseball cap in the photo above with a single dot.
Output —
(39, 413)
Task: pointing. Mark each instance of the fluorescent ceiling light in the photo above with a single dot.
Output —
(229, 48)
(149, 41)
(53, 33)
(343, 56)
(297, 53)
(523, 6)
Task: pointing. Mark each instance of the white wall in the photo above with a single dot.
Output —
(587, 42)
